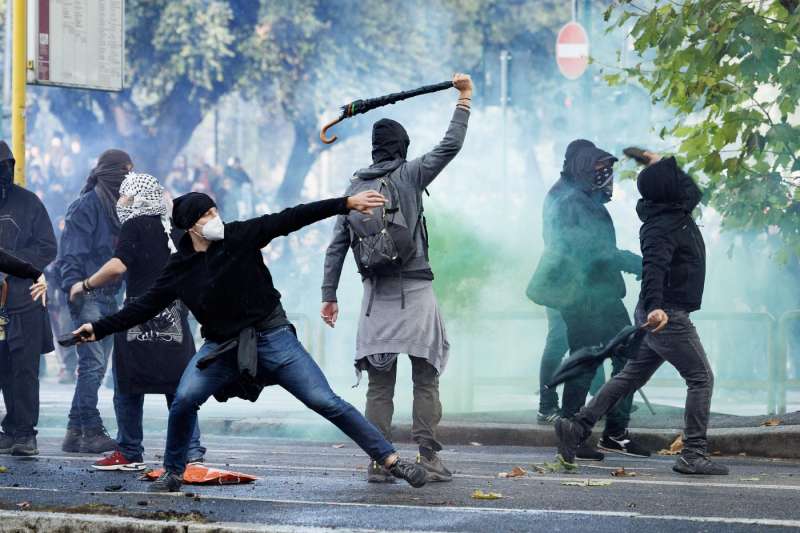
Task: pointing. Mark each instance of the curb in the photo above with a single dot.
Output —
(36, 521)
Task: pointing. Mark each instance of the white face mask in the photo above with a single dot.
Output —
(214, 229)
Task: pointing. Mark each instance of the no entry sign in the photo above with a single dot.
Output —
(572, 50)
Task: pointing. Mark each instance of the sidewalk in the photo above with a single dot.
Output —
(276, 414)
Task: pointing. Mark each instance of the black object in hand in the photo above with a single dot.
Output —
(68, 340)
(637, 154)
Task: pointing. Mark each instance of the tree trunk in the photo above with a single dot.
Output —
(301, 159)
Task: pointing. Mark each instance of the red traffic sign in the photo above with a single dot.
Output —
(572, 50)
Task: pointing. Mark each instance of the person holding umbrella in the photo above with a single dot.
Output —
(219, 273)
(399, 312)
(673, 279)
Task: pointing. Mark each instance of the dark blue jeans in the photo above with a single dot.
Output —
(128, 409)
(92, 360)
(283, 358)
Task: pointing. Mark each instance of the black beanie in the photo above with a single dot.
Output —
(187, 209)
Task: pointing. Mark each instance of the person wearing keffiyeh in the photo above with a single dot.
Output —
(149, 358)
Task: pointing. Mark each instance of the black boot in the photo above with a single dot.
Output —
(6, 443)
(25, 446)
(97, 441)
(72, 441)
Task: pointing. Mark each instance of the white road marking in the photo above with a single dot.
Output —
(466, 509)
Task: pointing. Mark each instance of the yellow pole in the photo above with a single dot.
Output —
(18, 80)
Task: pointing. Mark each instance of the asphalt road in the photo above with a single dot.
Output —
(317, 484)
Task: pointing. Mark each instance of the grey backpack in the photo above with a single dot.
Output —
(382, 242)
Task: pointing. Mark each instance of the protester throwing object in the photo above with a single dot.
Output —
(219, 273)
(673, 279)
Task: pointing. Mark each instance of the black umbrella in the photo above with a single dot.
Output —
(586, 360)
(362, 106)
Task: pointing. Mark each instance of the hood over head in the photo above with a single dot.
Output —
(106, 178)
(188, 208)
(668, 196)
(7, 164)
(660, 183)
(580, 161)
(389, 141)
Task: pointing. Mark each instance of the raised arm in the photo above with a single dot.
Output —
(258, 232)
(424, 169)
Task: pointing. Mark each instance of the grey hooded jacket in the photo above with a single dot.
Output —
(411, 178)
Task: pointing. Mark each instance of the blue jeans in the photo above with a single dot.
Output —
(92, 361)
(128, 408)
(283, 358)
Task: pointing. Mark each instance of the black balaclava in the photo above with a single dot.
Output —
(659, 184)
(105, 179)
(7, 164)
(580, 161)
(389, 141)
(188, 208)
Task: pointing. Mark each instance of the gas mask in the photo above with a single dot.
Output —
(603, 183)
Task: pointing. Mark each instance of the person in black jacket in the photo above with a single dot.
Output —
(579, 275)
(672, 287)
(91, 229)
(219, 273)
(27, 233)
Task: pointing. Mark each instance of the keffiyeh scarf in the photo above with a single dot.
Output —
(148, 200)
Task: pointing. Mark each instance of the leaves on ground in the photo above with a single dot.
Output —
(480, 495)
(772, 422)
(621, 472)
(674, 448)
(517, 471)
(587, 483)
(23, 505)
(338, 446)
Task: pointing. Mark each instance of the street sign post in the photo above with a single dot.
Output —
(572, 50)
(77, 43)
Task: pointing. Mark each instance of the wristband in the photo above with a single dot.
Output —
(86, 286)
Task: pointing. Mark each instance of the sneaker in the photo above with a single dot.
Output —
(72, 441)
(623, 445)
(117, 461)
(698, 464)
(25, 446)
(6, 443)
(377, 474)
(435, 470)
(586, 452)
(196, 460)
(547, 418)
(414, 474)
(570, 436)
(166, 482)
(97, 441)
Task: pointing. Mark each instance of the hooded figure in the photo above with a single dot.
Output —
(669, 237)
(389, 141)
(580, 275)
(27, 233)
(106, 178)
(144, 197)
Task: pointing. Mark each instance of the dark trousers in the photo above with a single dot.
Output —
(592, 324)
(288, 364)
(680, 345)
(555, 348)
(19, 371)
(426, 411)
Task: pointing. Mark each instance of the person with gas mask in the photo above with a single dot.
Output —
(91, 230)
(579, 275)
(151, 357)
(26, 233)
(399, 311)
(673, 280)
(219, 273)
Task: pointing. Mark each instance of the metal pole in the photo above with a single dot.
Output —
(7, 70)
(18, 80)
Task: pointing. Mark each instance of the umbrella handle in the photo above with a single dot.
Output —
(323, 134)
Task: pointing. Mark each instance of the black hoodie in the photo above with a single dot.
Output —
(581, 262)
(672, 245)
(25, 232)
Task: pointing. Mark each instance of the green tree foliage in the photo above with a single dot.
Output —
(729, 69)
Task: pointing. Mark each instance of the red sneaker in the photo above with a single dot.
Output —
(117, 461)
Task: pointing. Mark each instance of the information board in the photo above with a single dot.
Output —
(77, 43)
